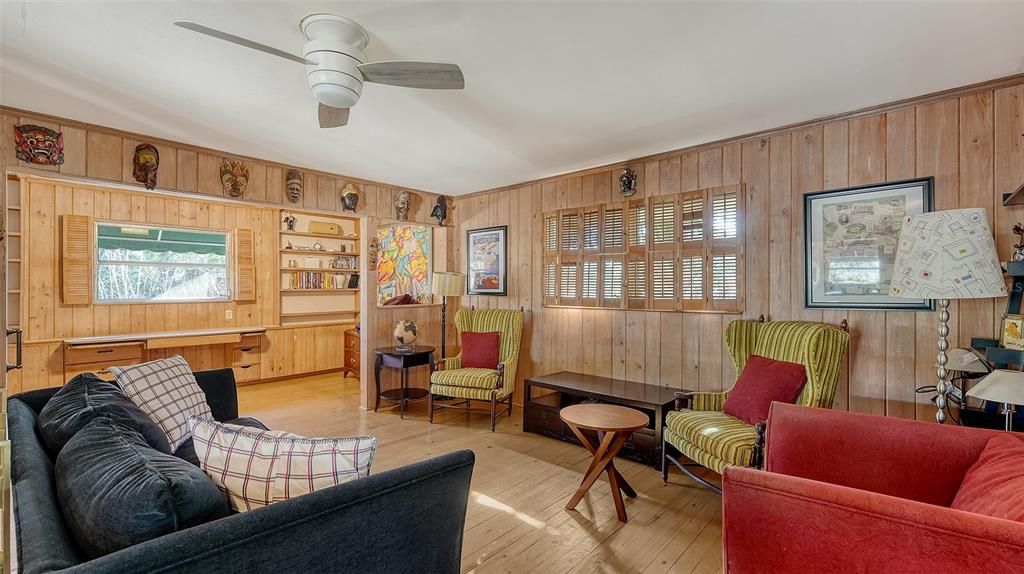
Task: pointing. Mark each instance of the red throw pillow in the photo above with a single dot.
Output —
(761, 382)
(481, 350)
(994, 485)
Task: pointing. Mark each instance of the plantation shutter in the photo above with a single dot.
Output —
(663, 280)
(589, 272)
(613, 230)
(724, 257)
(612, 271)
(551, 233)
(76, 259)
(245, 265)
(592, 229)
(691, 281)
(663, 222)
(550, 282)
(636, 282)
(570, 231)
(636, 229)
(568, 283)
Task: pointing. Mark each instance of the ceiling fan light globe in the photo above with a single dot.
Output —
(334, 28)
(334, 95)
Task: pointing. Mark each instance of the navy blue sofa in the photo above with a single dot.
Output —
(408, 519)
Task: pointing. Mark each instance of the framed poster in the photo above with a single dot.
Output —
(486, 259)
(850, 240)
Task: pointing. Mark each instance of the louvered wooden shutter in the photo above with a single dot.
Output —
(725, 254)
(691, 281)
(568, 283)
(691, 214)
(550, 282)
(570, 227)
(663, 280)
(245, 265)
(76, 259)
(592, 229)
(551, 233)
(613, 232)
(663, 222)
(636, 282)
(636, 225)
(612, 276)
(589, 272)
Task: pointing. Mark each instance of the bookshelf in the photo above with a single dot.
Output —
(319, 268)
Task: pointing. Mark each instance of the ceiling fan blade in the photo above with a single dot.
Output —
(409, 74)
(332, 117)
(213, 33)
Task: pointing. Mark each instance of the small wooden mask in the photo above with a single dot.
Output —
(234, 177)
(349, 197)
(38, 145)
(293, 185)
(145, 164)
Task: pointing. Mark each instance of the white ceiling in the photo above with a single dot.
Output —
(550, 87)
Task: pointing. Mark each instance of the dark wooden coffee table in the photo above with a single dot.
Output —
(613, 424)
(541, 413)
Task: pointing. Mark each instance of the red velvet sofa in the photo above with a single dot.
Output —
(847, 492)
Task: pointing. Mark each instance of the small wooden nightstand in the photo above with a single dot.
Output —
(351, 352)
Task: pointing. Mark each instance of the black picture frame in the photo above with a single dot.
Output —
(473, 284)
(922, 190)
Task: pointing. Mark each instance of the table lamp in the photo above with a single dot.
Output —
(446, 284)
(1001, 386)
(946, 255)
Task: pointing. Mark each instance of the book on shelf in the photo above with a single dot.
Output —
(319, 280)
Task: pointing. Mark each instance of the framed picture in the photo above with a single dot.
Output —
(1011, 335)
(486, 259)
(850, 240)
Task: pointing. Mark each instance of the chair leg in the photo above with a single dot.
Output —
(664, 459)
(510, 405)
(430, 406)
(494, 411)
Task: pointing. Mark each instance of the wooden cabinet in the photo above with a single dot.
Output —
(302, 350)
(351, 353)
(245, 358)
(95, 358)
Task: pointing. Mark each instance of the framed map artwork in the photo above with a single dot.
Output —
(850, 241)
(486, 258)
(404, 261)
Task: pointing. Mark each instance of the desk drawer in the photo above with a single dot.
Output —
(89, 354)
(352, 361)
(247, 373)
(352, 340)
(99, 369)
(246, 356)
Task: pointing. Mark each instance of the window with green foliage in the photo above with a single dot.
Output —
(160, 264)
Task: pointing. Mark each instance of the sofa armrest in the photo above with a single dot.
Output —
(221, 392)
(902, 458)
(778, 523)
(409, 519)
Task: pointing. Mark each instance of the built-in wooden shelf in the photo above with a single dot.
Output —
(320, 252)
(15, 260)
(13, 234)
(14, 207)
(318, 313)
(320, 235)
(320, 291)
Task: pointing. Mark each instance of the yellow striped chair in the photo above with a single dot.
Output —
(451, 381)
(699, 430)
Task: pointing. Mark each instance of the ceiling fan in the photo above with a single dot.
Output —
(337, 68)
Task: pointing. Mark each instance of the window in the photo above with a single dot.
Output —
(671, 252)
(145, 263)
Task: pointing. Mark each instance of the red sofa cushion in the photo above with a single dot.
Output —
(994, 486)
(761, 382)
(481, 350)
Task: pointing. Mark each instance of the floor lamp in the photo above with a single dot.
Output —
(446, 284)
(946, 255)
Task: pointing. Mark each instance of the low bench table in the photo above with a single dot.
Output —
(541, 413)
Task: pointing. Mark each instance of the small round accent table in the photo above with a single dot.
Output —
(614, 425)
(403, 360)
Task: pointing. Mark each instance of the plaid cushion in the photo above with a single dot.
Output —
(257, 467)
(167, 391)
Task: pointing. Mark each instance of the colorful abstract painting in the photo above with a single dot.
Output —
(404, 262)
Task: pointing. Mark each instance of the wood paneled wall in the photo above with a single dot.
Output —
(104, 154)
(972, 143)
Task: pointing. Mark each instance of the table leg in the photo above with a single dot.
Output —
(609, 447)
(593, 450)
(376, 379)
(405, 390)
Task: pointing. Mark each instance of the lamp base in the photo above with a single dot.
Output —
(942, 387)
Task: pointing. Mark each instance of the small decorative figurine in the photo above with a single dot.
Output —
(38, 145)
(1018, 249)
(293, 185)
(371, 253)
(289, 221)
(440, 211)
(349, 197)
(627, 182)
(318, 246)
(145, 164)
(234, 177)
(402, 201)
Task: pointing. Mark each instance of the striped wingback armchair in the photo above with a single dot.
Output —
(699, 430)
(452, 381)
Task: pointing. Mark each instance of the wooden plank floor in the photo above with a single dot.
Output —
(516, 521)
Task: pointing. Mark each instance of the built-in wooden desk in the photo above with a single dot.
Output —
(241, 347)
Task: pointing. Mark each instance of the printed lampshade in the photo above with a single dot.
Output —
(947, 255)
(447, 284)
